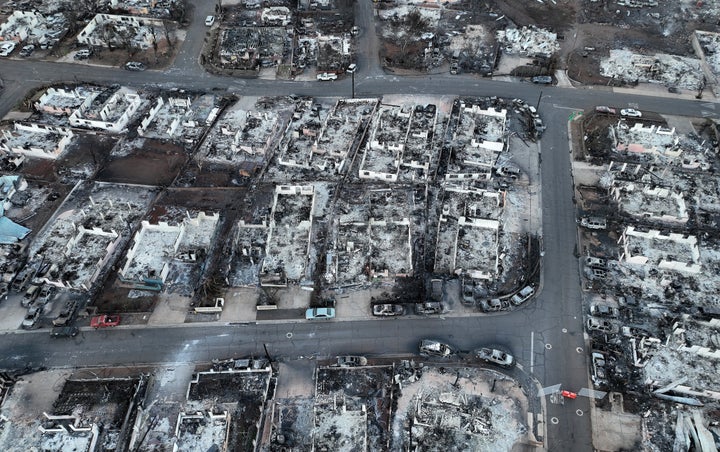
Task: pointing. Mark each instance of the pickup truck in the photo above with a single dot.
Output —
(104, 321)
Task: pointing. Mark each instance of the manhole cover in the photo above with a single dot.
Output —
(555, 420)
(288, 335)
(579, 412)
(579, 349)
(548, 346)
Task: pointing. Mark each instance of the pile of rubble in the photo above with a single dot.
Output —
(669, 70)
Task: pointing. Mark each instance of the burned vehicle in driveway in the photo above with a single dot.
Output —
(388, 310)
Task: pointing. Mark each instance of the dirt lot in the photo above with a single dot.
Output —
(156, 163)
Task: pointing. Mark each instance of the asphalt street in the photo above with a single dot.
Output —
(546, 336)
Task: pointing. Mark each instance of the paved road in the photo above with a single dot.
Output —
(546, 336)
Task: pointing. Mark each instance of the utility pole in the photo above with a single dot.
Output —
(537, 107)
(353, 84)
(267, 355)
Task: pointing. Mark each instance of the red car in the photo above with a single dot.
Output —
(102, 321)
(569, 395)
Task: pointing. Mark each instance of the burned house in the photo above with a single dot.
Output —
(670, 70)
(478, 139)
(33, 27)
(110, 110)
(467, 238)
(60, 101)
(36, 140)
(250, 48)
(225, 407)
(165, 250)
(182, 119)
(343, 125)
(372, 238)
(124, 32)
(289, 232)
(86, 234)
(671, 251)
(384, 150)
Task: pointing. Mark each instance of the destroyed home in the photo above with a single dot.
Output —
(408, 32)
(324, 37)
(352, 407)
(36, 140)
(669, 70)
(319, 143)
(123, 32)
(244, 135)
(182, 119)
(91, 412)
(334, 53)
(663, 251)
(383, 152)
(456, 408)
(250, 48)
(372, 238)
(202, 430)
(63, 101)
(289, 232)
(161, 253)
(154, 8)
(300, 136)
(528, 41)
(87, 233)
(469, 218)
(419, 153)
(344, 123)
(656, 143)
(225, 407)
(648, 201)
(276, 15)
(473, 50)
(109, 110)
(478, 139)
(32, 27)
(249, 245)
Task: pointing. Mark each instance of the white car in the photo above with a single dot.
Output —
(632, 113)
(209, 21)
(352, 68)
(495, 356)
(599, 377)
(6, 48)
(523, 296)
(429, 347)
(326, 76)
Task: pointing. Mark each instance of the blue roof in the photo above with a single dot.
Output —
(11, 232)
